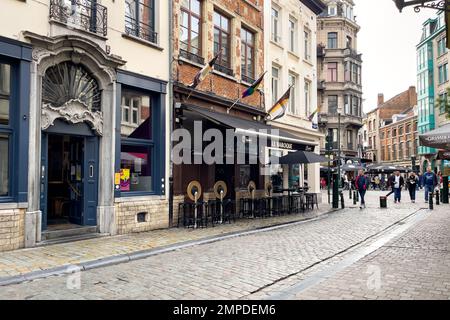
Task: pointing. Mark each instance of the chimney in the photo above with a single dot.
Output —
(412, 96)
(380, 99)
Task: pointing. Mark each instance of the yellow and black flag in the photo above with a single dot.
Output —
(279, 109)
(204, 71)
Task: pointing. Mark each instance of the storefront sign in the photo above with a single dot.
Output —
(281, 145)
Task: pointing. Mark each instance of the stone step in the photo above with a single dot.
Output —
(86, 236)
(73, 232)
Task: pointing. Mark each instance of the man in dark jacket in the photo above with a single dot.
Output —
(361, 184)
(429, 181)
(396, 182)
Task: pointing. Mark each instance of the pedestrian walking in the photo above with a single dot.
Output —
(430, 182)
(396, 182)
(412, 183)
(420, 180)
(361, 184)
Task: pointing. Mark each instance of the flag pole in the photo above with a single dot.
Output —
(228, 110)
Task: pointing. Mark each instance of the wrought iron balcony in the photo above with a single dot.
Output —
(223, 69)
(140, 30)
(320, 51)
(247, 79)
(87, 15)
(192, 57)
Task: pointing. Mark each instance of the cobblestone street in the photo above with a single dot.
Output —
(271, 263)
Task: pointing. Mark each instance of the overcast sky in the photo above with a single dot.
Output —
(387, 42)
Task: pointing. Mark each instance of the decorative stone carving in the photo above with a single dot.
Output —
(73, 111)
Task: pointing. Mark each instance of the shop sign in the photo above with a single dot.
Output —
(281, 145)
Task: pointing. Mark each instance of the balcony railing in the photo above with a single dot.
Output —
(192, 57)
(140, 30)
(87, 15)
(320, 51)
(247, 79)
(223, 69)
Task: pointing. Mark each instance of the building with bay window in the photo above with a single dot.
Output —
(339, 76)
(83, 142)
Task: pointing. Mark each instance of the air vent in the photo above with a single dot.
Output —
(142, 217)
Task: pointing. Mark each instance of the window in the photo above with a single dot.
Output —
(275, 84)
(332, 40)
(190, 27)
(443, 73)
(394, 152)
(275, 25)
(442, 46)
(333, 104)
(401, 154)
(247, 55)
(349, 42)
(5, 128)
(355, 107)
(137, 141)
(389, 154)
(292, 100)
(307, 45)
(332, 10)
(222, 42)
(350, 139)
(354, 73)
(370, 126)
(307, 98)
(332, 71)
(292, 35)
(400, 131)
(443, 100)
(140, 19)
(347, 72)
(408, 128)
(347, 104)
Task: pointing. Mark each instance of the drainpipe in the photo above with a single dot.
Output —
(171, 102)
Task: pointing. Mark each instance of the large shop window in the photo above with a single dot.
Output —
(136, 142)
(5, 128)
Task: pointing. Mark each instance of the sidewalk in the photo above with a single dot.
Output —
(17, 263)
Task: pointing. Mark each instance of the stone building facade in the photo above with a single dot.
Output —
(83, 120)
(291, 60)
(339, 75)
(382, 116)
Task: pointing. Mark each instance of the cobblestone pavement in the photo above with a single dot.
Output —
(23, 261)
(236, 268)
(414, 265)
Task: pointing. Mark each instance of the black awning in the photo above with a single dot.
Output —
(438, 138)
(248, 127)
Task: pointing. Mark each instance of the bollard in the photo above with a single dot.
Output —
(354, 196)
(383, 202)
(350, 193)
(342, 200)
(437, 198)
(442, 195)
(430, 200)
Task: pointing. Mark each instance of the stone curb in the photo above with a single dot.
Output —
(138, 255)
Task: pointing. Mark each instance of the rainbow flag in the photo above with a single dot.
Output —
(204, 71)
(279, 109)
(252, 89)
(311, 117)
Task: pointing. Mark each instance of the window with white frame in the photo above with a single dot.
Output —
(292, 82)
(307, 93)
(292, 35)
(307, 35)
(275, 83)
(275, 19)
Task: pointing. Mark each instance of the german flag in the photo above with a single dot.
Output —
(252, 89)
(279, 109)
(204, 71)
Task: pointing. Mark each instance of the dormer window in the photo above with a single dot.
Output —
(332, 10)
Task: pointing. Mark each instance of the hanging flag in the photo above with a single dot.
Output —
(252, 89)
(204, 71)
(314, 117)
(279, 109)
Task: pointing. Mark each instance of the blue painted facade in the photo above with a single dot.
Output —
(18, 55)
(157, 90)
